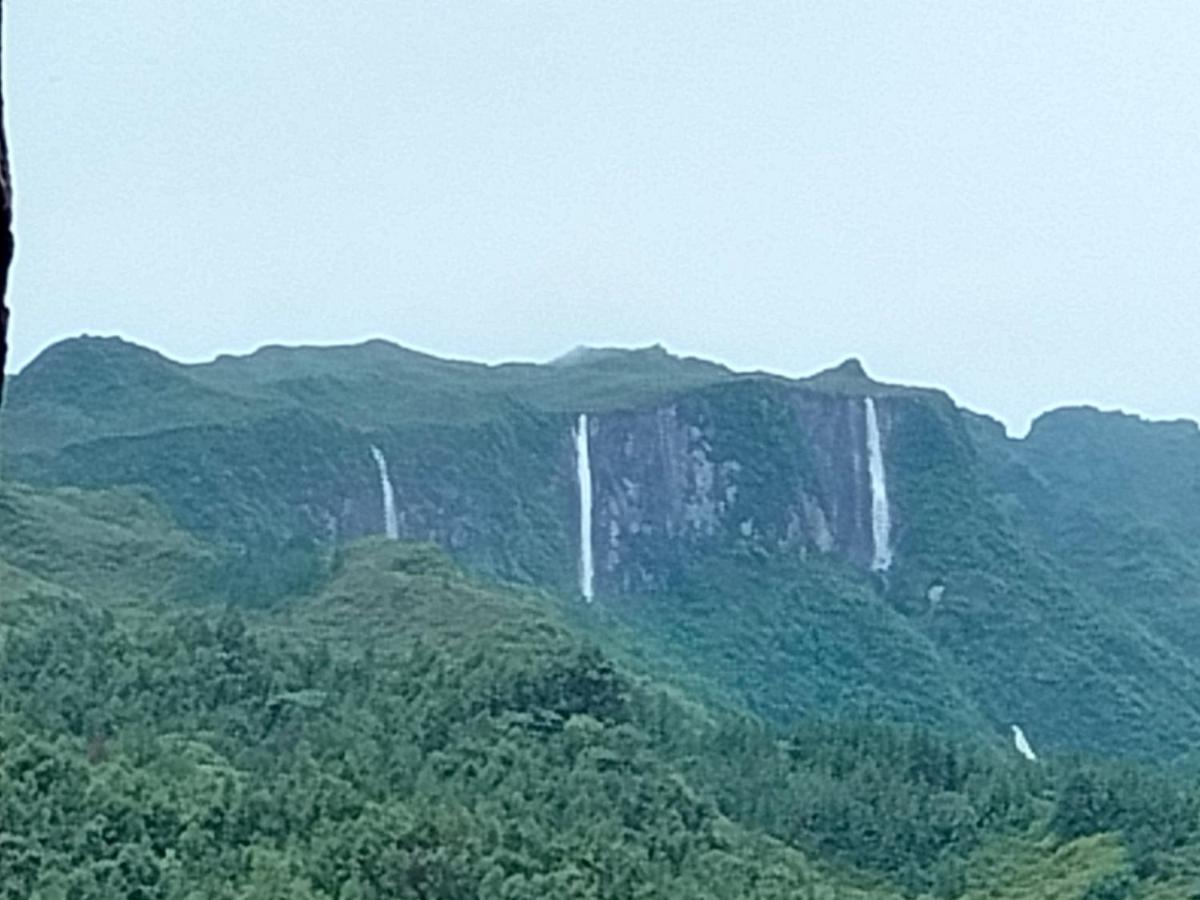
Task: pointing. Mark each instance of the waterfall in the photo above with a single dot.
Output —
(583, 468)
(390, 524)
(1023, 744)
(881, 515)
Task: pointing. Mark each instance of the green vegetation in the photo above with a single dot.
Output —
(404, 733)
(89, 388)
(405, 730)
(789, 638)
(112, 545)
(211, 686)
(1116, 499)
(1065, 566)
(251, 453)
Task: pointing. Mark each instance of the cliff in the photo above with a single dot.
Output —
(735, 522)
(6, 235)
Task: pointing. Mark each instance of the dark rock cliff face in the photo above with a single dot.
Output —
(767, 466)
(754, 463)
(6, 235)
(776, 469)
(837, 493)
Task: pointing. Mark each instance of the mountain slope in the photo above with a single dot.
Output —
(109, 545)
(733, 522)
(408, 730)
(1117, 500)
(403, 730)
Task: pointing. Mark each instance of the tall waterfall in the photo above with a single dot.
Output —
(390, 524)
(881, 515)
(1023, 744)
(583, 468)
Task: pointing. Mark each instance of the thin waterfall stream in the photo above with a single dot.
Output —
(583, 469)
(391, 525)
(881, 514)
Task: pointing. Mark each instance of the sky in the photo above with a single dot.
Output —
(1001, 199)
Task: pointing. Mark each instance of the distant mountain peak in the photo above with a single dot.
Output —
(582, 354)
(848, 372)
(851, 367)
(100, 356)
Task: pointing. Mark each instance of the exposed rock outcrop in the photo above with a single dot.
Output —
(778, 469)
(6, 235)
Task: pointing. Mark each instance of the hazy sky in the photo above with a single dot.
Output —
(1002, 199)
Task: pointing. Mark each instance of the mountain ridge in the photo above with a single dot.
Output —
(732, 519)
(851, 366)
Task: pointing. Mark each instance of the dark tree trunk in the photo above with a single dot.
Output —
(6, 235)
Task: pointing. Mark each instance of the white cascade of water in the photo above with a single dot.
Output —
(583, 469)
(1022, 744)
(390, 524)
(881, 514)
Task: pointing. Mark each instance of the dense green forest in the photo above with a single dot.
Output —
(399, 728)
(217, 680)
(1050, 581)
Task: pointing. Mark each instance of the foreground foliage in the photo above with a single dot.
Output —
(407, 732)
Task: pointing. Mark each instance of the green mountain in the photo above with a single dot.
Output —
(1116, 499)
(1049, 582)
(406, 729)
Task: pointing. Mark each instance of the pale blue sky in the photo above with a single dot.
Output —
(1002, 199)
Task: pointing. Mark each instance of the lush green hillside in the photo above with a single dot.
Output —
(259, 454)
(405, 730)
(110, 545)
(1013, 634)
(1117, 500)
(89, 388)
(1050, 582)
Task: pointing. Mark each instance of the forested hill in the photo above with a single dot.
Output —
(829, 545)
(401, 728)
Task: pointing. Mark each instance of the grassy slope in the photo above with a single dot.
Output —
(1111, 498)
(1117, 500)
(110, 545)
(1030, 867)
(1036, 644)
(89, 388)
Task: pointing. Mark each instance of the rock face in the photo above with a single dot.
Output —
(6, 235)
(768, 468)
(771, 469)
(760, 463)
(780, 470)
